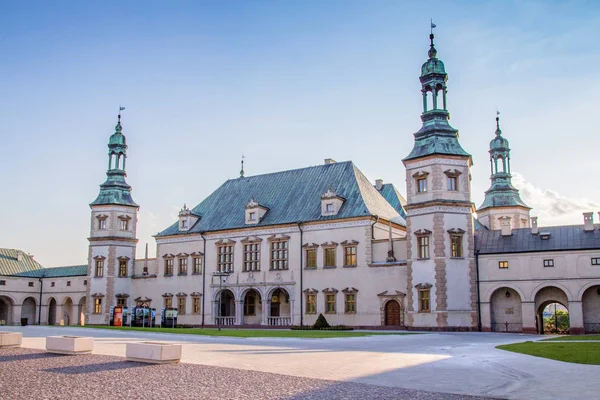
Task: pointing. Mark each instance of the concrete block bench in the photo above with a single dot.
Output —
(10, 339)
(69, 344)
(153, 352)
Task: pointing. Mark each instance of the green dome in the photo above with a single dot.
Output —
(499, 143)
(433, 66)
(117, 138)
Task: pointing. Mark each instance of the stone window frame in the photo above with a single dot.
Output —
(281, 246)
(452, 175)
(548, 262)
(456, 234)
(124, 222)
(225, 255)
(182, 264)
(181, 303)
(329, 246)
(68, 283)
(167, 300)
(99, 266)
(311, 293)
(85, 282)
(143, 302)
(251, 246)
(310, 247)
(595, 260)
(30, 284)
(121, 298)
(424, 289)
(350, 291)
(330, 292)
(420, 176)
(423, 235)
(102, 221)
(503, 264)
(52, 284)
(196, 303)
(169, 264)
(350, 245)
(2, 282)
(197, 262)
(122, 260)
(97, 303)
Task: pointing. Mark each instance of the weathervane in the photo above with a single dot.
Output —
(120, 109)
(242, 170)
(432, 25)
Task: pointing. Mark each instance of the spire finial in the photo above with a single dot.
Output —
(498, 131)
(242, 170)
(432, 51)
(119, 118)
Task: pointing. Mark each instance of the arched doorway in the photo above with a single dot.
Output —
(552, 314)
(52, 311)
(393, 313)
(279, 308)
(591, 309)
(252, 314)
(28, 311)
(225, 308)
(506, 311)
(81, 311)
(67, 311)
(6, 311)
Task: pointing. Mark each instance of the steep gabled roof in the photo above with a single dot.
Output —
(393, 196)
(56, 272)
(10, 265)
(291, 196)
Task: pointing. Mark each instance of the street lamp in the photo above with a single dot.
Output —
(220, 274)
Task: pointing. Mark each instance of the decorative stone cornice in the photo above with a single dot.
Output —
(197, 254)
(251, 239)
(280, 237)
(121, 295)
(166, 295)
(123, 258)
(330, 291)
(397, 294)
(350, 290)
(437, 161)
(452, 174)
(420, 174)
(456, 231)
(310, 245)
(99, 258)
(181, 294)
(311, 291)
(424, 285)
(423, 232)
(98, 295)
(196, 294)
(143, 300)
(227, 242)
(169, 255)
(124, 217)
(349, 243)
(101, 217)
(182, 255)
(329, 244)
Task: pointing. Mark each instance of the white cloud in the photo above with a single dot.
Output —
(552, 207)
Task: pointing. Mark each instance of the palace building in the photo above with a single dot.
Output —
(281, 248)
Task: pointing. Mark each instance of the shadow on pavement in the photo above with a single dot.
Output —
(92, 368)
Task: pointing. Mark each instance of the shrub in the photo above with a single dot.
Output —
(321, 322)
(312, 328)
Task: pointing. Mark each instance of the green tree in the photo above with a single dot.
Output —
(558, 322)
(321, 322)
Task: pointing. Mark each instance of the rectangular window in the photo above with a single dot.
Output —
(181, 305)
(30, 284)
(330, 300)
(122, 267)
(168, 302)
(121, 301)
(329, 207)
(596, 261)
(424, 300)
(421, 185)
(169, 266)
(423, 244)
(311, 258)
(279, 254)
(2, 283)
(97, 306)
(68, 283)
(452, 183)
(311, 304)
(99, 267)
(124, 224)
(456, 245)
(251, 257)
(102, 224)
(225, 259)
(197, 268)
(52, 284)
(350, 256)
(184, 224)
(502, 264)
(549, 263)
(85, 282)
(183, 266)
(350, 303)
(250, 305)
(252, 216)
(329, 257)
(195, 305)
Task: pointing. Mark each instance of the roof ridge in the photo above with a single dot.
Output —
(290, 170)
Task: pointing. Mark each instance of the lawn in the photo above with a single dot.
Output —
(246, 333)
(580, 353)
(574, 337)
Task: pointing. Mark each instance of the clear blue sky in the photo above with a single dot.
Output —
(287, 83)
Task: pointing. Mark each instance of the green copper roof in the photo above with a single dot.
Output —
(393, 196)
(56, 272)
(10, 264)
(290, 196)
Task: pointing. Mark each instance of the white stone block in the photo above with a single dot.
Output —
(153, 352)
(10, 339)
(69, 344)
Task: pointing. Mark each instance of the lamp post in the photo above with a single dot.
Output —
(220, 274)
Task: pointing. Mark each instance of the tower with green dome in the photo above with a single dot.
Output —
(113, 237)
(502, 199)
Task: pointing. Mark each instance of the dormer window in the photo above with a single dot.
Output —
(331, 203)
(421, 181)
(254, 212)
(187, 218)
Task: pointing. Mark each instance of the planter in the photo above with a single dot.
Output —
(69, 344)
(10, 339)
(153, 352)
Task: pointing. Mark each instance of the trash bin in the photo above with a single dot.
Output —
(23, 321)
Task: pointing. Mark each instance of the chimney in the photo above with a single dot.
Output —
(19, 255)
(506, 226)
(329, 161)
(378, 184)
(534, 226)
(588, 221)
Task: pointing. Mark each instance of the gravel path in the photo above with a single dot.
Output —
(33, 374)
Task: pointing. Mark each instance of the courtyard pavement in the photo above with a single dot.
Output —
(457, 363)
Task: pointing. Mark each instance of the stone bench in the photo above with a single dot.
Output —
(69, 344)
(153, 352)
(10, 339)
